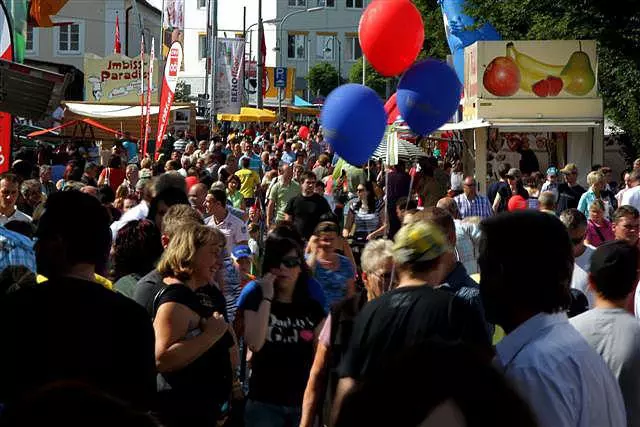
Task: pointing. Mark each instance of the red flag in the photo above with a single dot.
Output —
(174, 62)
(263, 51)
(116, 42)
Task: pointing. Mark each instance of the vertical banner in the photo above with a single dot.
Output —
(142, 99)
(6, 121)
(173, 25)
(229, 76)
(169, 82)
(147, 122)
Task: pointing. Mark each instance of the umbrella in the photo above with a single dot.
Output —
(406, 150)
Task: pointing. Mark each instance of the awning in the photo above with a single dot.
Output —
(506, 125)
(299, 102)
(108, 111)
(82, 123)
(248, 114)
(306, 111)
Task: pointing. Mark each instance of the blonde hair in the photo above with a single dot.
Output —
(146, 163)
(179, 257)
(594, 177)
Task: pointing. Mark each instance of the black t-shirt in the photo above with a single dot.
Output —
(146, 290)
(280, 369)
(494, 189)
(306, 212)
(406, 317)
(75, 330)
(568, 197)
(209, 376)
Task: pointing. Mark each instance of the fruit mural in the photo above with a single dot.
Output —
(516, 71)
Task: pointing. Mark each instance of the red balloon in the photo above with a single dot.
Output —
(391, 35)
(303, 132)
(391, 109)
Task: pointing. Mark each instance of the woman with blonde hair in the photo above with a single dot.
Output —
(596, 185)
(192, 341)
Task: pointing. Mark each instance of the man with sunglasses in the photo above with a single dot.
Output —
(569, 192)
(576, 224)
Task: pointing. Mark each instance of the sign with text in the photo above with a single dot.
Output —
(229, 75)
(169, 82)
(280, 77)
(116, 79)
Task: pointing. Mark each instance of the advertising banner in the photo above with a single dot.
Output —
(531, 69)
(270, 89)
(116, 79)
(169, 82)
(172, 25)
(229, 76)
(6, 53)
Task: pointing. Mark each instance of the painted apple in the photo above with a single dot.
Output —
(502, 76)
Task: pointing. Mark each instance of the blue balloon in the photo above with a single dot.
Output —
(428, 95)
(353, 122)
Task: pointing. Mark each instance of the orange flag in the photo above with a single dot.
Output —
(41, 11)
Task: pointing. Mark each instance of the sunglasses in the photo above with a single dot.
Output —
(290, 262)
(360, 190)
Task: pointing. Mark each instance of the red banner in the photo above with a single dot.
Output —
(6, 53)
(169, 82)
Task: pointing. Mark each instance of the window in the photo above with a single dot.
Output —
(31, 43)
(325, 47)
(203, 48)
(298, 3)
(352, 50)
(69, 39)
(296, 46)
(326, 3)
(202, 4)
(354, 4)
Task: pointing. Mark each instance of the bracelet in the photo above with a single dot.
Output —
(267, 299)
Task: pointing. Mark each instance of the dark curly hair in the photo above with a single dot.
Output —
(137, 249)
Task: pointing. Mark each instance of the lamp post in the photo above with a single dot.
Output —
(328, 49)
(279, 48)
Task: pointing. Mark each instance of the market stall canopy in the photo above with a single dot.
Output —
(522, 125)
(305, 111)
(406, 150)
(107, 111)
(248, 114)
(82, 126)
(299, 102)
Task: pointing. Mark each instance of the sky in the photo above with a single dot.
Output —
(156, 3)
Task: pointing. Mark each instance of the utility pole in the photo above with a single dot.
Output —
(260, 66)
(214, 53)
(207, 62)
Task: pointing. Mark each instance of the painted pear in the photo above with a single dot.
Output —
(578, 74)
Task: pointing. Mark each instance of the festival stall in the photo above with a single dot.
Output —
(248, 115)
(530, 103)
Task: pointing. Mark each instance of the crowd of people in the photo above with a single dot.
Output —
(256, 279)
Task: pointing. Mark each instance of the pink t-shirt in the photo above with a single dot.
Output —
(598, 234)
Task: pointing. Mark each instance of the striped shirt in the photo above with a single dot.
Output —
(16, 249)
(365, 221)
(479, 206)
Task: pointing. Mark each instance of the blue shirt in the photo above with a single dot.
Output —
(255, 163)
(288, 157)
(132, 151)
(334, 283)
(315, 292)
(16, 249)
(564, 380)
(479, 206)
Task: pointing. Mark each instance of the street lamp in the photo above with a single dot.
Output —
(328, 49)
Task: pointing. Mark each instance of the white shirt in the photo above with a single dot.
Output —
(564, 380)
(636, 302)
(233, 228)
(632, 197)
(580, 278)
(17, 215)
(138, 212)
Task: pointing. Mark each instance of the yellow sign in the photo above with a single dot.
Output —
(116, 79)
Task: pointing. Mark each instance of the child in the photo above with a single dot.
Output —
(243, 260)
(599, 230)
(551, 184)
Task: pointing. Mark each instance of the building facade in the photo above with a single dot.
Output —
(90, 28)
(298, 34)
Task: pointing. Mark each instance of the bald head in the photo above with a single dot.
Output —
(449, 205)
(197, 195)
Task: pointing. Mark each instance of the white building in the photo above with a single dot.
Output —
(306, 37)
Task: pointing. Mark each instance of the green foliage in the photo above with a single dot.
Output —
(615, 25)
(373, 79)
(435, 40)
(323, 78)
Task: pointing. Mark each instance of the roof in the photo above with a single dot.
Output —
(150, 6)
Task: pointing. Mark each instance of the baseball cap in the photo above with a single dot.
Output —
(417, 242)
(553, 171)
(517, 203)
(515, 173)
(241, 251)
(614, 262)
(569, 168)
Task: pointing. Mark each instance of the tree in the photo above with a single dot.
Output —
(435, 39)
(614, 26)
(373, 79)
(183, 92)
(323, 78)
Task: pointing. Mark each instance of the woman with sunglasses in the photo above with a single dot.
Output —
(334, 272)
(377, 266)
(365, 219)
(281, 324)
